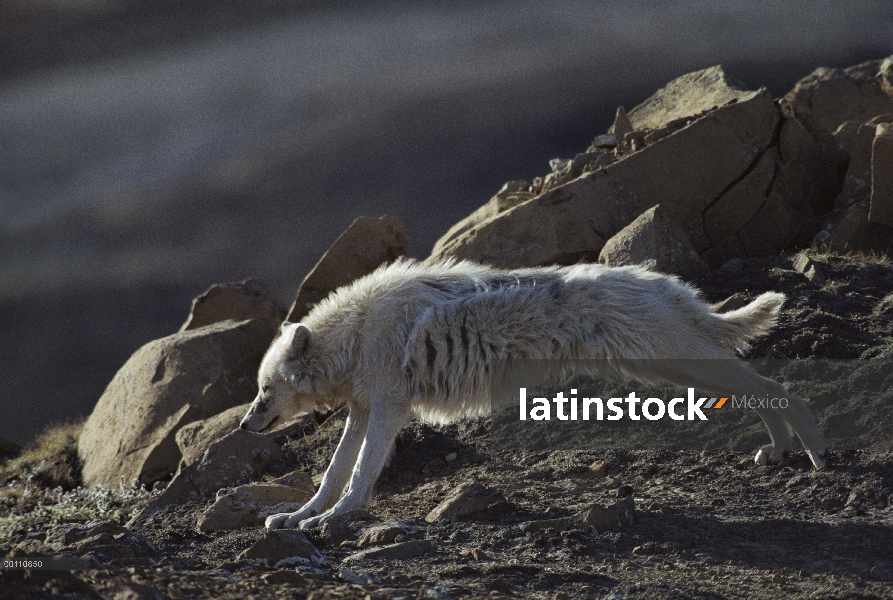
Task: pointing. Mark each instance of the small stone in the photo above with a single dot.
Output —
(608, 140)
(881, 573)
(451, 457)
(809, 268)
(557, 164)
(284, 547)
(248, 505)
(621, 513)
(383, 534)
(733, 302)
(467, 499)
(597, 470)
(621, 124)
(624, 490)
(400, 551)
(341, 528)
(284, 577)
(352, 577)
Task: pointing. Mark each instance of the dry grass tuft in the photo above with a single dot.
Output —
(50, 461)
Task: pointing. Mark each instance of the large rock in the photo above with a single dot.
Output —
(688, 96)
(655, 241)
(166, 384)
(881, 208)
(249, 299)
(685, 172)
(830, 97)
(363, 247)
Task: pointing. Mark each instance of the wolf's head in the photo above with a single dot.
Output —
(285, 384)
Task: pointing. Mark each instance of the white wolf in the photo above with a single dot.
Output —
(417, 338)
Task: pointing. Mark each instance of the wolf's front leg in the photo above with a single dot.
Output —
(337, 475)
(385, 422)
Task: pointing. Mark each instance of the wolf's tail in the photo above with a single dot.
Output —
(737, 328)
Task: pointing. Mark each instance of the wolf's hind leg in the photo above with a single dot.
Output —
(337, 475)
(730, 377)
(385, 422)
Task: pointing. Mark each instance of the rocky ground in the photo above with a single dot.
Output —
(706, 525)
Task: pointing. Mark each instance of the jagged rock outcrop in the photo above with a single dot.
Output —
(739, 174)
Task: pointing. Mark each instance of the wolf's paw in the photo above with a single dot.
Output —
(819, 458)
(277, 521)
(312, 522)
(769, 455)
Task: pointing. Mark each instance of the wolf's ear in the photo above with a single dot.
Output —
(300, 337)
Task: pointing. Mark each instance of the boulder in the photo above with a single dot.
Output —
(655, 241)
(248, 505)
(685, 172)
(166, 384)
(249, 299)
(881, 203)
(284, 548)
(364, 246)
(688, 97)
(830, 97)
(469, 498)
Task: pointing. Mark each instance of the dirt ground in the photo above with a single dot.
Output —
(707, 524)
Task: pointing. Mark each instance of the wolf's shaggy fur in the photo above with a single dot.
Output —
(418, 338)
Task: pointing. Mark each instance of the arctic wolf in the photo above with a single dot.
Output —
(417, 338)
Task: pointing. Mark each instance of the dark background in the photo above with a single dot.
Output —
(151, 148)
